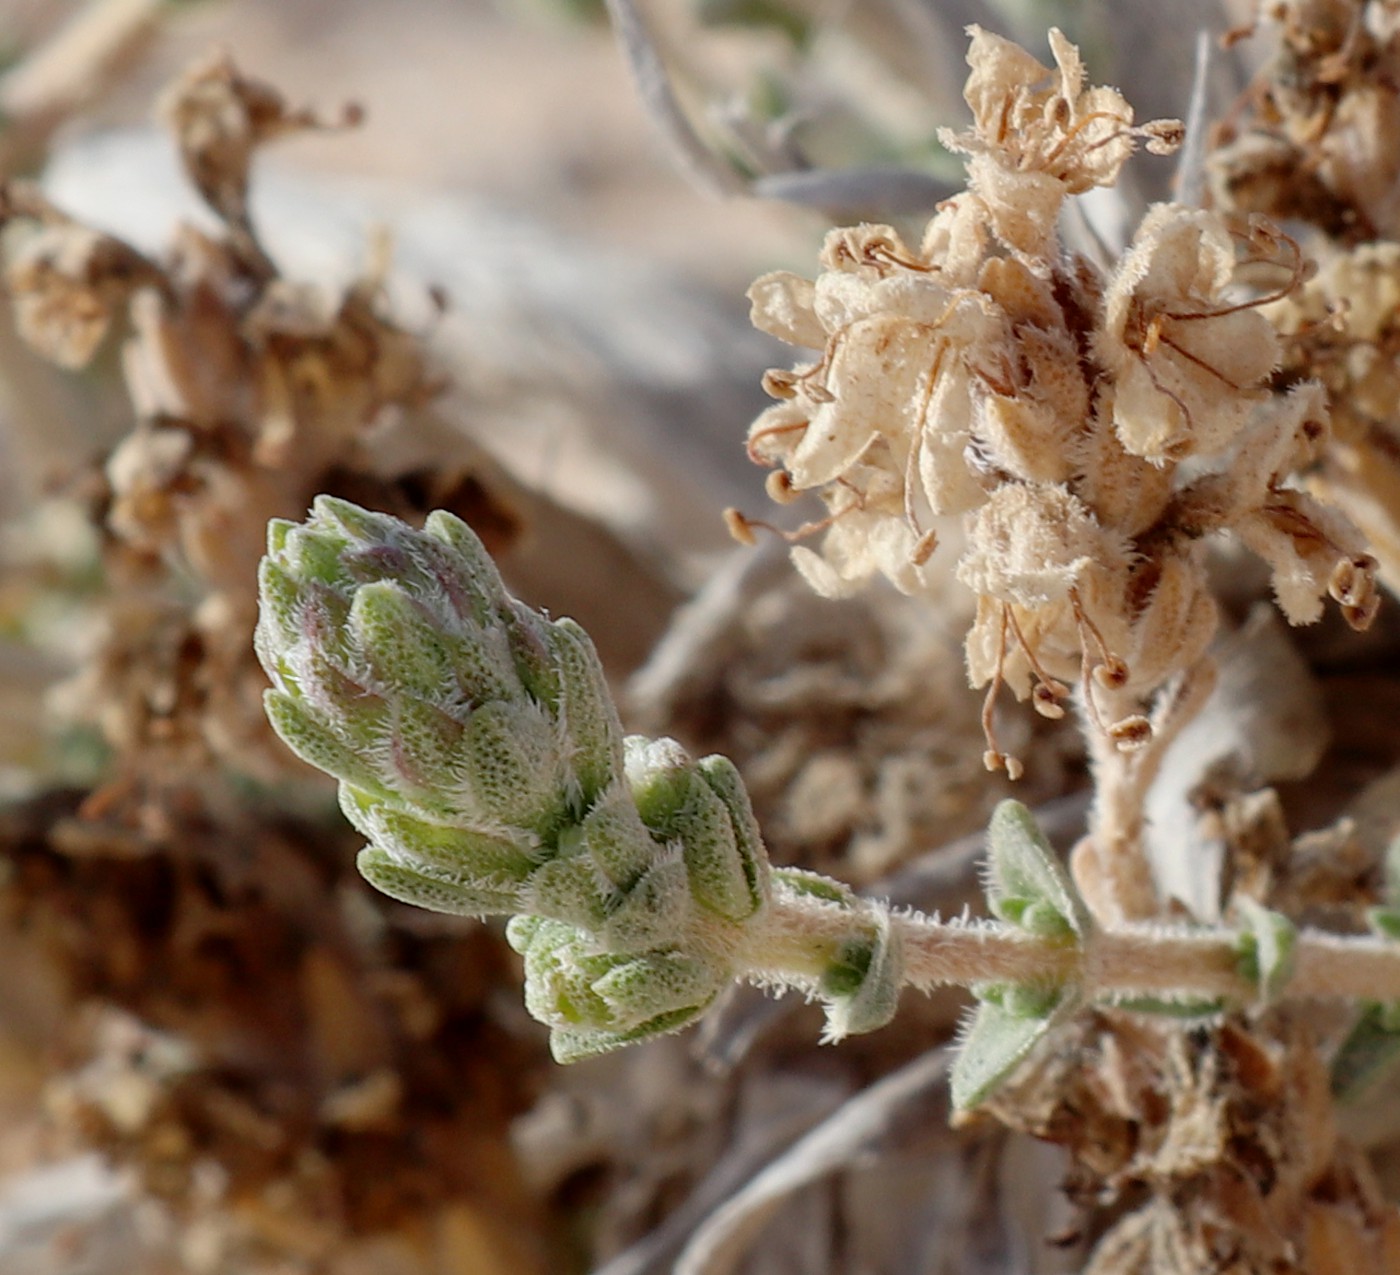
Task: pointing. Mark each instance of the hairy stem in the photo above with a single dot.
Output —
(1112, 870)
(798, 938)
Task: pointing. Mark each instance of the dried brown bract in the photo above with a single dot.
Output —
(69, 282)
(220, 118)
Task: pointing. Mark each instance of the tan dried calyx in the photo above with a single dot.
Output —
(988, 374)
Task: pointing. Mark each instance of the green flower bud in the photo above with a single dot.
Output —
(597, 1001)
(479, 751)
(677, 802)
(405, 669)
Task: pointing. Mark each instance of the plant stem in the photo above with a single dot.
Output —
(1112, 870)
(799, 938)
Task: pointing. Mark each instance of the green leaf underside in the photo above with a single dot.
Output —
(1369, 1053)
(996, 1043)
(862, 987)
(1168, 1008)
(813, 886)
(1265, 949)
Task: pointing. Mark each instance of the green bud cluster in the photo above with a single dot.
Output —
(478, 750)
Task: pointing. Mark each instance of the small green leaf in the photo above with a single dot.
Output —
(590, 719)
(436, 889)
(485, 856)
(616, 840)
(999, 1038)
(571, 1045)
(725, 781)
(862, 987)
(1020, 1000)
(813, 885)
(399, 643)
(658, 983)
(1168, 1007)
(315, 744)
(510, 753)
(1369, 1052)
(1026, 883)
(1265, 948)
(567, 890)
(354, 523)
(1384, 921)
(655, 910)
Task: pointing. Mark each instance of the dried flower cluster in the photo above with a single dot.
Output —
(251, 392)
(1318, 145)
(1092, 429)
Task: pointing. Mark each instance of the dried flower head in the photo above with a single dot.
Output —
(1039, 135)
(988, 375)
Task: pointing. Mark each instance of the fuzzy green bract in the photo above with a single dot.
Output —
(1009, 1022)
(479, 752)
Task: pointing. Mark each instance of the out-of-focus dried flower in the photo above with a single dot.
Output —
(220, 117)
(1321, 140)
(249, 390)
(69, 282)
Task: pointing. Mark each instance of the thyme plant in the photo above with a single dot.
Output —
(479, 752)
(1086, 430)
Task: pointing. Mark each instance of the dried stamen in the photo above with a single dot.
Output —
(994, 758)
